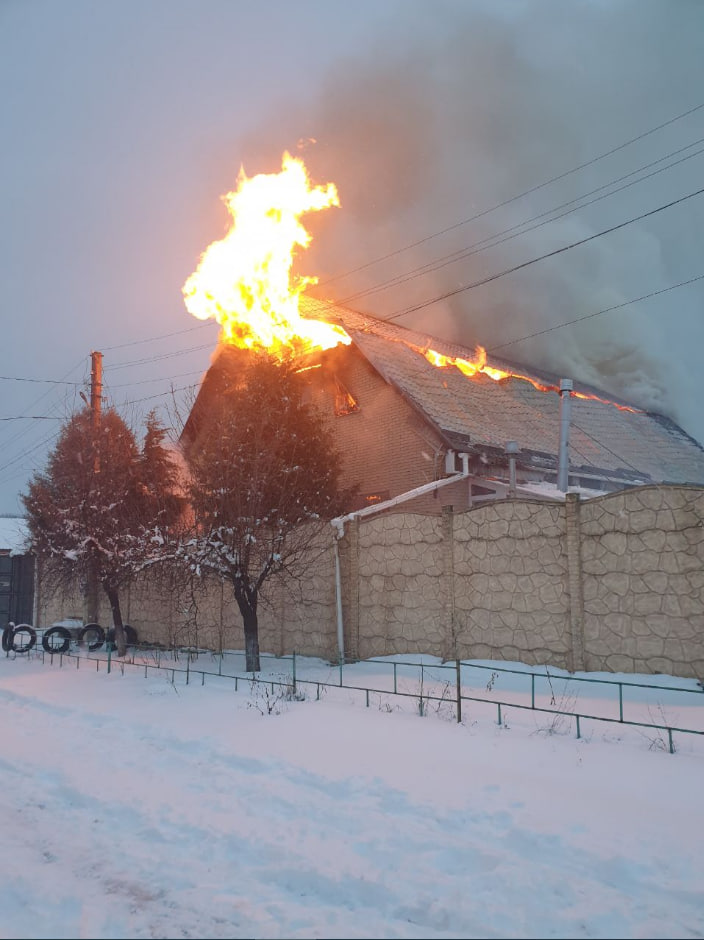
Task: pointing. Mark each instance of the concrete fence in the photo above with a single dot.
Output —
(614, 583)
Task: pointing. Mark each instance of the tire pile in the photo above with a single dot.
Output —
(22, 638)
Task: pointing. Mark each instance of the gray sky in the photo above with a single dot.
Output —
(125, 122)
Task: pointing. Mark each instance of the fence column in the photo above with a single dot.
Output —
(352, 651)
(448, 583)
(573, 539)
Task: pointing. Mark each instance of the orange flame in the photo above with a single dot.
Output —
(471, 368)
(244, 281)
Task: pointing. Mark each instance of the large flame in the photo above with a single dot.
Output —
(244, 281)
(472, 367)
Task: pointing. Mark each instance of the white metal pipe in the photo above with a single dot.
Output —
(338, 601)
(563, 457)
(511, 451)
(339, 525)
(404, 497)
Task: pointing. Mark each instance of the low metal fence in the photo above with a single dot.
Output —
(427, 683)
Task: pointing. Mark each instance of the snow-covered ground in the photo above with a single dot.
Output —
(138, 807)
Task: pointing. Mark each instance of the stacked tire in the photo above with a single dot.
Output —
(56, 640)
(92, 636)
(130, 637)
(18, 639)
(22, 638)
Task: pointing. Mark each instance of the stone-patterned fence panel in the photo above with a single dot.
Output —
(642, 556)
(402, 585)
(511, 583)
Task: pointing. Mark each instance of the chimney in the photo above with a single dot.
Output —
(563, 457)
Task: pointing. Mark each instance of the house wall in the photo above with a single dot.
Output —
(614, 583)
(387, 447)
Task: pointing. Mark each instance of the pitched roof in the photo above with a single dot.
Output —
(479, 413)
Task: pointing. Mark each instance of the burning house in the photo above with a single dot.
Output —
(416, 418)
(410, 411)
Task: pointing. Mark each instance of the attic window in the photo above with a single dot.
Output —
(344, 402)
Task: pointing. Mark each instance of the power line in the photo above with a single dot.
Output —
(171, 355)
(136, 401)
(178, 375)
(601, 444)
(491, 241)
(43, 443)
(12, 440)
(507, 202)
(151, 339)
(549, 254)
(598, 313)
(15, 378)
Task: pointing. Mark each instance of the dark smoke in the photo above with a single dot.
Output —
(461, 107)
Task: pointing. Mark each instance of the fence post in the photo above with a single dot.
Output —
(294, 672)
(573, 546)
(109, 656)
(459, 691)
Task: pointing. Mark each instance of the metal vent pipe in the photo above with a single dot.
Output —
(511, 451)
(563, 456)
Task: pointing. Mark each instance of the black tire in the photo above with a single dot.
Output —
(24, 637)
(92, 636)
(7, 635)
(130, 635)
(57, 640)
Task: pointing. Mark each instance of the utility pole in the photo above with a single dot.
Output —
(96, 392)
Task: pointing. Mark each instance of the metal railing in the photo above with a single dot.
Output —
(452, 691)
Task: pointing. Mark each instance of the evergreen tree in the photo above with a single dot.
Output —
(102, 507)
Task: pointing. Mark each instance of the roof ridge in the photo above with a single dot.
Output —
(346, 317)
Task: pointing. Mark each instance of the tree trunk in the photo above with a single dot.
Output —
(120, 639)
(248, 609)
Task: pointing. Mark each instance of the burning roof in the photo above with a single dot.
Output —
(481, 413)
(244, 281)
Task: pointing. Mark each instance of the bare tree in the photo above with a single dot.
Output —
(103, 507)
(264, 479)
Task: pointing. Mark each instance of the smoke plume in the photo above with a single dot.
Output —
(424, 135)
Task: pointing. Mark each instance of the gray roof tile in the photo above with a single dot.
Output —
(488, 413)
